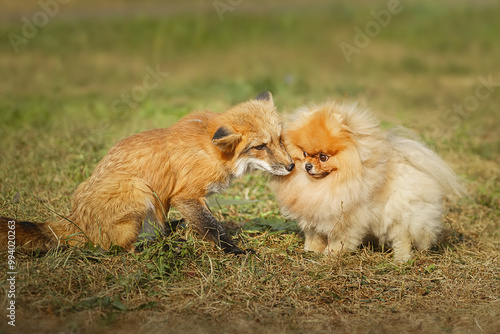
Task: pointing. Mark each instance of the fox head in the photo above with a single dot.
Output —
(250, 137)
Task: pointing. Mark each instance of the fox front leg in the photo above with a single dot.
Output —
(196, 211)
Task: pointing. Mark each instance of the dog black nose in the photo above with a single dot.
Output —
(309, 166)
(290, 167)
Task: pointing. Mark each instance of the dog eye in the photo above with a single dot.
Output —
(305, 154)
(323, 157)
(260, 147)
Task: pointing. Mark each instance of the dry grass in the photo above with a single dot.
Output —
(191, 287)
(279, 290)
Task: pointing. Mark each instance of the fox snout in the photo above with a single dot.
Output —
(279, 168)
(284, 169)
(285, 165)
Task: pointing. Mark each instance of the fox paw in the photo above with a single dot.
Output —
(236, 250)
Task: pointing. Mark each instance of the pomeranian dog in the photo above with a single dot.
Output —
(354, 180)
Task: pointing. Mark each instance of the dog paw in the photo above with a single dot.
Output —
(402, 257)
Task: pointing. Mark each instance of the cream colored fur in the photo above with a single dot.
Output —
(379, 184)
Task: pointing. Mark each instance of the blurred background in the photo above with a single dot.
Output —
(77, 76)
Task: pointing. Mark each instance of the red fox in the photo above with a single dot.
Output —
(142, 176)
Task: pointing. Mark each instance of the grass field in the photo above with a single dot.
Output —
(75, 86)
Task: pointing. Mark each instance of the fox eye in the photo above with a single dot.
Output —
(323, 157)
(305, 154)
(260, 147)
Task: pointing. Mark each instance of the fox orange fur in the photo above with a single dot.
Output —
(142, 176)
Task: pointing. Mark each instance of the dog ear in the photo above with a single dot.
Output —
(225, 139)
(265, 96)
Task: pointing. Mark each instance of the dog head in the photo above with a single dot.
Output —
(321, 142)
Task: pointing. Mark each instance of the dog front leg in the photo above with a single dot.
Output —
(314, 241)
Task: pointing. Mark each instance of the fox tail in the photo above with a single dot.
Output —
(26, 236)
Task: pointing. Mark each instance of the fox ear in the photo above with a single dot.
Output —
(225, 139)
(265, 96)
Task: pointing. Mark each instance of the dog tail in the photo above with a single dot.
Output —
(26, 236)
(425, 160)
